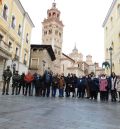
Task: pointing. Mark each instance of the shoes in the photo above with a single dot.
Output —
(7, 94)
(2, 93)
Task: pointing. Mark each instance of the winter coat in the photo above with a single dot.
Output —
(113, 83)
(28, 78)
(118, 85)
(95, 85)
(61, 83)
(16, 79)
(103, 84)
(7, 74)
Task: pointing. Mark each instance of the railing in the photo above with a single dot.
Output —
(4, 46)
(34, 67)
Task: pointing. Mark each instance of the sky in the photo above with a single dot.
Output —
(82, 21)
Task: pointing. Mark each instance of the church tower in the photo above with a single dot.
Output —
(52, 34)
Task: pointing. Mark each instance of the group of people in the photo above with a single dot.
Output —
(47, 85)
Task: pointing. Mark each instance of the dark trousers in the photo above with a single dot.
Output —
(94, 95)
(113, 95)
(81, 92)
(28, 85)
(5, 87)
(104, 95)
(37, 91)
(61, 93)
(48, 89)
(15, 89)
(23, 89)
(54, 89)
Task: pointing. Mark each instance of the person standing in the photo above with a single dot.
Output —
(61, 86)
(7, 74)
(16, 83)
(68, 85)
(113, 87)
(22, 84)
(54, 85)
(118, 87)
(28, 80)
(103, 87)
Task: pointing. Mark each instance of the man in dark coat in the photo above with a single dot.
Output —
(16, 82)
(7, 74)
(22, 84)
(68, 85)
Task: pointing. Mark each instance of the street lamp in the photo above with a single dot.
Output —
(110, 50)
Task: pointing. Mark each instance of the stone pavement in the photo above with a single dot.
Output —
(19, 112)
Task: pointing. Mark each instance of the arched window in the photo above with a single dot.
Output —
(13, 24)
(5, 12)
(19, 30)
(54, 14)
(27, 38)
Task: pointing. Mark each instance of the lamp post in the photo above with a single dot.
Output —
(110, 50)
(95, 64)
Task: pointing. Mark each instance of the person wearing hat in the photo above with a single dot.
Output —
(7, 74)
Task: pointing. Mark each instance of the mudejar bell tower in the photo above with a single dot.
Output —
(52, 34)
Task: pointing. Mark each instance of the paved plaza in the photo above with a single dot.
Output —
(19, 112)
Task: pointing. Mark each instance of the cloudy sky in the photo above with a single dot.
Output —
(83, 24)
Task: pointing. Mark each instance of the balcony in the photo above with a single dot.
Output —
(33, 67)
(4, 50)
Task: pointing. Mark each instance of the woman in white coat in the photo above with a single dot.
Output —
(118, 87)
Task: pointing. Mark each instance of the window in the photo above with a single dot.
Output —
(118, 9)
(27, 38)
(59, 34)
(34, 50)
(1, 37)
(54, 14)
(45, 32)
(50, 31)
(19, 30)
(56, 32)
(16, 51)
(10, 45)
(13, 22)
(5, 12)
(57, 15)
(25, 61)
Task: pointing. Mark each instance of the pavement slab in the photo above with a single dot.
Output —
(20, 112)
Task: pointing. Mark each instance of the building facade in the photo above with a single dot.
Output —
(74, 63)
(15, 35)
(52, 34)
(112, 36)
(41, 58)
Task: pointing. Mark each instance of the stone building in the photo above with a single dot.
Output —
(112, 36)
(74, 63)
(41, 58)
(52, 34)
